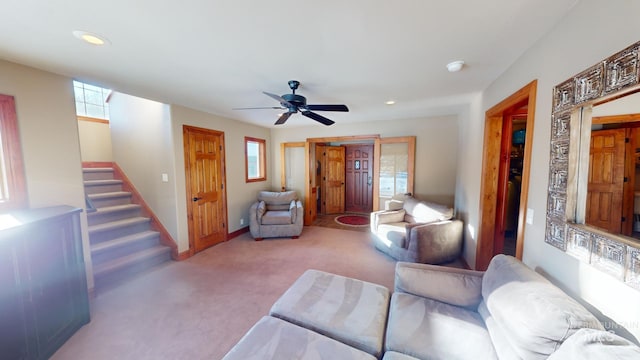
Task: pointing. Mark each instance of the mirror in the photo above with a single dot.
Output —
(592, 115)
(613, 178)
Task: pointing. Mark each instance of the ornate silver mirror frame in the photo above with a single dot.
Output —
(616, 255)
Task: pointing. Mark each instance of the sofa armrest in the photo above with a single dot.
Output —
(385, 216)
(453, 286)
(255, 218)
(297, 212)
(435, 242)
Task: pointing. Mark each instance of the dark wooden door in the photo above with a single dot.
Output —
(359, 178)
(334, 182)
(206, 195)
(606, 179)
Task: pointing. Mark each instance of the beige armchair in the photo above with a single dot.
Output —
(276, 214)
(417, 231)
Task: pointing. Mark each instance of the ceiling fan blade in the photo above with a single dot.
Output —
(283, 118)
(318, 118)
(282, 101)
(343, 108)
(257, 108)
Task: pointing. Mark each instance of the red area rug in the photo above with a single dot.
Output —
(353, 220)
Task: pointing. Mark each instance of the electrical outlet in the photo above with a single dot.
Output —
(241, 221)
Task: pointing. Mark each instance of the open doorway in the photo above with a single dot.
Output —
(392, 168)
(516, 110)
(344, 173)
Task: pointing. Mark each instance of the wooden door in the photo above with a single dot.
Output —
(606, 179)
(359, 178)
(334, 179)
(503, 182)
(206, 194)
(628, 198)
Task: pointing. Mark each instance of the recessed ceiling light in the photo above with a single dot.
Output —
(390, 102)
(90, 38)
(455, 66)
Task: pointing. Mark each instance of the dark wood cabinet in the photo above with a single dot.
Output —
(43, 288)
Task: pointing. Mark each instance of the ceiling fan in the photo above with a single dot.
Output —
(294, 103)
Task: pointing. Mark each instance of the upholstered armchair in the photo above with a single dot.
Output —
(417, 231)
(276, 214)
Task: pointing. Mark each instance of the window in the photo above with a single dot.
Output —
(91, 101)
(13, 189)
(255, 159)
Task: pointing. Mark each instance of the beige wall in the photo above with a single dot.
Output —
(49, 137)
(95, 141)
(143, 149)
(240, 194)
(590, 33)
(436, 148)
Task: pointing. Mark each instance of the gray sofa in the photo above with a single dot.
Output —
(507, 312)
(276, 214)
(417, 231)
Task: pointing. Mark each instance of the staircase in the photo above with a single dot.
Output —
(121, 239)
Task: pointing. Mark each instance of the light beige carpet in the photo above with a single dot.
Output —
(199, 308)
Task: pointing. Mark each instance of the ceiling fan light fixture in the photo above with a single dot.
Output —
(90, 38)
(455, 66)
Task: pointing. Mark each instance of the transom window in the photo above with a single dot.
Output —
(255, 159)
(91, 101)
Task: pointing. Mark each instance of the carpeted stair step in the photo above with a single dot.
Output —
(113, 213)
(110, 198)
(97, 173)
(102, 186)
(125, 266)
(111, 249)
(115, 229)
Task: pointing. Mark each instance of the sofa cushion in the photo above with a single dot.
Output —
(501, 344)
(276, 218)
(590, 344)
(272, 338)
(425, 212)
(429, 329)
(348, 310)
(453, 286)
(534, 316)
(277, 200)
(392, 355)
(393, 233)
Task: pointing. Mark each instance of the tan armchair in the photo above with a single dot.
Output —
(276, 214)
(417, 231)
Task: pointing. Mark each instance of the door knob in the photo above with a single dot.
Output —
(196, 198)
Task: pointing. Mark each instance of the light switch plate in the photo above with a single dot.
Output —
(529, 216)
(165, 177)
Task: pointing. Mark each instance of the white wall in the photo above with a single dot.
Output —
(592, 31)
(95, 141)
(436, 148)
(143, 149)
(467, 198)
(240, 194)
(49, 137)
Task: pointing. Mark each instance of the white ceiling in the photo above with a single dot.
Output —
(215, 55)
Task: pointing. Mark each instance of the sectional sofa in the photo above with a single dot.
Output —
(435, 312)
